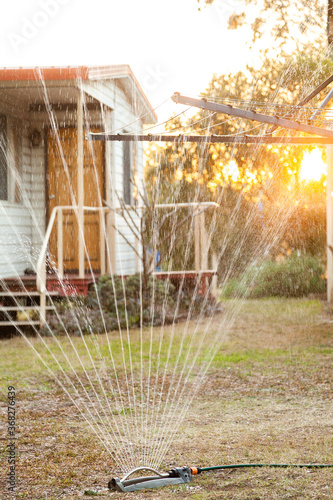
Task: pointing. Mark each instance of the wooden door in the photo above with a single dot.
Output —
(62, 190)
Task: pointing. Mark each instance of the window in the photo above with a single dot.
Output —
(15, 147)
(10, 159)
(127, 173)
(3, 159)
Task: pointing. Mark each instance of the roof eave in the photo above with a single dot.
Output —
(122, 71)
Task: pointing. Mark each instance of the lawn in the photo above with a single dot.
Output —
(266, 398)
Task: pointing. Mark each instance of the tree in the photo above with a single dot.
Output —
(291, 19)
(255, 186)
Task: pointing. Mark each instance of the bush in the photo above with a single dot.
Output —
(125, 298)
(295, 277)
(114, 302)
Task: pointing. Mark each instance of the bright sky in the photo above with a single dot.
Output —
(171, 46)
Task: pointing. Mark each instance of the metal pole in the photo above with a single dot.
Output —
(196, 241)
(251, 115)
(329, 219)
(304, 101)
(232, 139)
(323, 104)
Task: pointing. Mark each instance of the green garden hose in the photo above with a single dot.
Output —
(183, 475)
(241, 466)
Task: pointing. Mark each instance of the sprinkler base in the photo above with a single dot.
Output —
(179, 475)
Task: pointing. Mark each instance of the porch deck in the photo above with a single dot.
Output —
(72, 285)
(21, 304)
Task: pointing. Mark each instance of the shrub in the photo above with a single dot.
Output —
(295, 277)
(126, 298)
(116, 302)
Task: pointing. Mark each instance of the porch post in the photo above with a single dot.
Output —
(329, 219)
(80, 182)
(214, 279)
(110, 195)
(203, 243)
(102, 230)
(60, 233)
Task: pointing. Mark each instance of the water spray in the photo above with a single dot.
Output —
(183, 475)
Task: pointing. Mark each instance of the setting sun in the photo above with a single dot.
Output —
(313, 166)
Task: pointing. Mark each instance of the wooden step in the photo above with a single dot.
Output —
(25, 308)
(19, 323)
(27, 294)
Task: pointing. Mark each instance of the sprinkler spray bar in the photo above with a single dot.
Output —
(183, 475)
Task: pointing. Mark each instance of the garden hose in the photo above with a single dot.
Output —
(242, 466)
(183, 475)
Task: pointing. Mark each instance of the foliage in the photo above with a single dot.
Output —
(263, 202)
(124, 297)
(306, 229)
(296, 276)
(118, 303)
(285, 19)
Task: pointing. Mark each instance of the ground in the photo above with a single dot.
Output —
(267, 398)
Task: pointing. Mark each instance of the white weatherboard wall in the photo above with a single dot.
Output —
(16, 221)
(15, 236)
(110, 93)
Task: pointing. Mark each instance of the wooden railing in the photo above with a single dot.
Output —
(201, 245)
(57, 214)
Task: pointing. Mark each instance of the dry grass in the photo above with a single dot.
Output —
(267, 399)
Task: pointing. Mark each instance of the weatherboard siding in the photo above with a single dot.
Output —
(15, 237)
(112, 95)
(16, 220)
(22, 225)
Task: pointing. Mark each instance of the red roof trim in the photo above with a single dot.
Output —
(64, 73)
(52, 73)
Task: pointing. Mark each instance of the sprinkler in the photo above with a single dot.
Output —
(179, 475)
(183, 475)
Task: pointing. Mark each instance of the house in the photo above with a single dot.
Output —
(53, 181)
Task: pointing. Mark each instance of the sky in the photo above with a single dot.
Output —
(171, 46)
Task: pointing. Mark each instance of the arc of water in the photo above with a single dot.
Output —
(216, 341)
(189, 348)
(187, 250)
(156, 413)
(116, 306)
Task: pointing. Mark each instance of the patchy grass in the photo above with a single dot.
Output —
(266, 399)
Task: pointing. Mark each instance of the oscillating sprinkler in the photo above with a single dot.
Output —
(183, 475)
(178, 475)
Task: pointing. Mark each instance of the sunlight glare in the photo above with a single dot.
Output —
(313, 167)
(231, 170)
